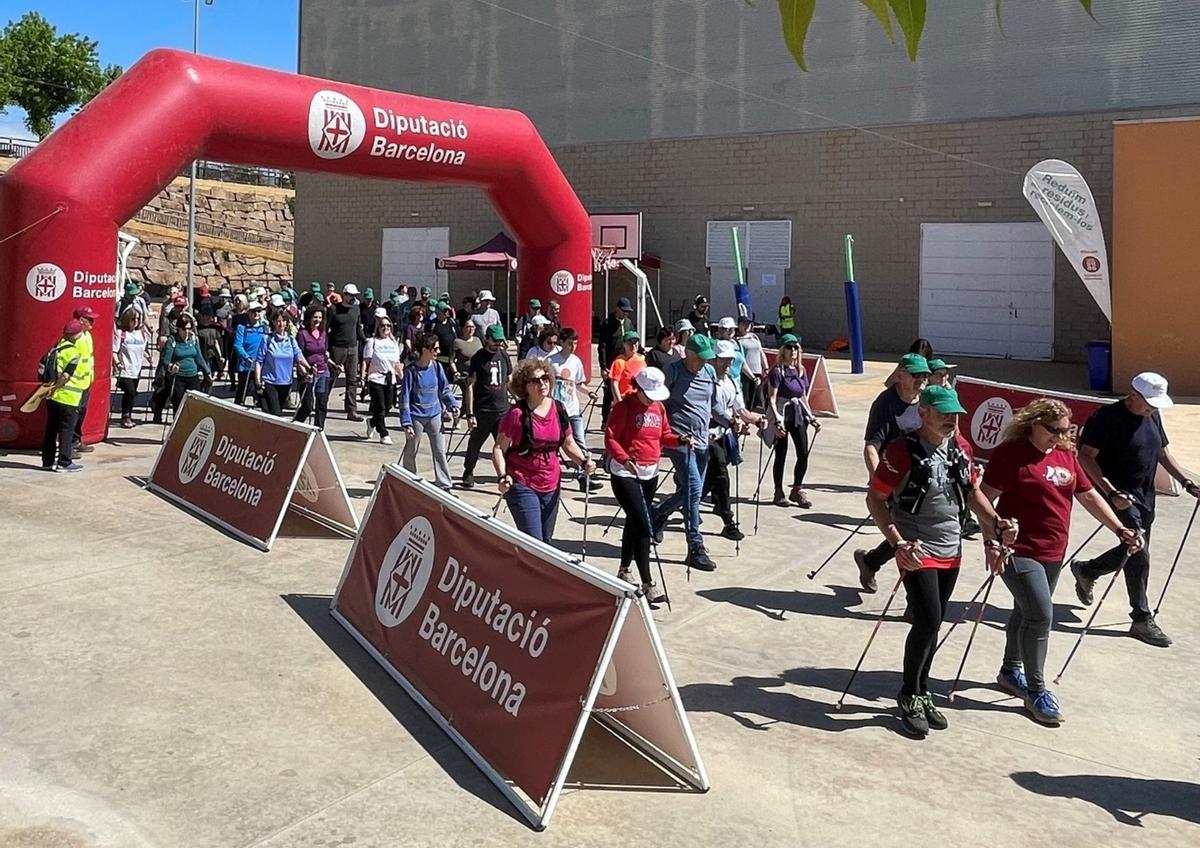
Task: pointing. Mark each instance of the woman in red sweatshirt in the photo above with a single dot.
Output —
(634, 437)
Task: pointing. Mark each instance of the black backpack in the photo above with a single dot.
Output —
(48, 365)
(527, 444)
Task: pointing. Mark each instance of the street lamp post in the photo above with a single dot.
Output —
(191, 240)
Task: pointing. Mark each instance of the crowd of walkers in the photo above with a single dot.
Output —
(693, 396)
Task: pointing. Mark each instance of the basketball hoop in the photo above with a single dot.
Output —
(604, 258)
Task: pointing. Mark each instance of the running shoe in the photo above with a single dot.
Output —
(1149, 632)
(654, 597)
(71, 466)
(468, 480)
(866, 575)
(625, 574)
(1013, 681)
(1083, 584)
(933, 716)
(385, 440)
(1043, 706)
(660, 523)
(912, 715)
(731, 531)
(698, 559)
(781, 499)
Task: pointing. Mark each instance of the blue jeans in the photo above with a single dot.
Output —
(689, 466)
(579, 433)
(534, 513)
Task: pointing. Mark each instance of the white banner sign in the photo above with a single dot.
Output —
(1061, 197)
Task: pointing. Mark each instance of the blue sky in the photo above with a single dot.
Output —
(260, 32)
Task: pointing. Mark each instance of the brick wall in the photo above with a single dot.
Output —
(828, 183)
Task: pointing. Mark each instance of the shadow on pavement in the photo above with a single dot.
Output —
(1126, 799)
(745, 697)
(313, 610)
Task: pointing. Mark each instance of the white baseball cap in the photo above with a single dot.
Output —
(277, 300)
(380, 312)
(726, 349)
(653, 382)
(350, 288)
(1153, 387)
(683, 325)
(727, 323)
(484, 295)
(539, 320)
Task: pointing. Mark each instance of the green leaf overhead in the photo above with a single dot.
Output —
(796, 16)
(910, 15)
(879, 8)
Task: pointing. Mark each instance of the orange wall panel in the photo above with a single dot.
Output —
(1156, 252)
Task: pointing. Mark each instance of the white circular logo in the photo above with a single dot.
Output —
(306, 486)
(989, 422)
(196, 449)
(336, 126)
(405, 572)
(562, 282)
(46, 282)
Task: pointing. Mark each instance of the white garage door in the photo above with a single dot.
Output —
(988, 290)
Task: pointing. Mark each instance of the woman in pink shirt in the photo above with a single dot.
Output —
(526, 452)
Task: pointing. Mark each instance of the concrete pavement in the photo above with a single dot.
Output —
(167, 686)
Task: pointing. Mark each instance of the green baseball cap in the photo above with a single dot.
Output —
(630, 336)
(943, 399)
(938, 365)
(788, 338)
(914, 364)
(495, 332)
(441, 304)
(702, 346)
(131, 288)
(534, 303)
(315, 287)
(370, 294)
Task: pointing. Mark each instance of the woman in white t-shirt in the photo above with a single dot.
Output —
(570, 382)
(131, 351)
(382, 371)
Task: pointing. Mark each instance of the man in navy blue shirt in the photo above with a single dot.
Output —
(1121, 448)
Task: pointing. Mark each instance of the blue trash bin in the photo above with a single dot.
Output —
(1099, 357)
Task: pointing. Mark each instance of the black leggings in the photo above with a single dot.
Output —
(129, 390)
(274, 398)
(928, 591)
(634, 496)
(799, 436)
(382, 397)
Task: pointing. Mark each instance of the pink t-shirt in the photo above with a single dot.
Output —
(538, 470)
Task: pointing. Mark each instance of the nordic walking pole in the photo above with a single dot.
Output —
(687, 505)
(829, 558)
(496, 508)
(587, 499)
(1187, 532)
(737, 502)
(871, 639)
(758, 488)
(986, 581)
(1079, 550)
(170, 396)
(978, 618)
(1092, 617)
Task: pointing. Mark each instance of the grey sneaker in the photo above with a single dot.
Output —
(1083, 584)
(1149, 632)
(912, 716)
(625, 574)
(866, 577)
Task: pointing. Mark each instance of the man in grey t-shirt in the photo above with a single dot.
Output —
(693, 385)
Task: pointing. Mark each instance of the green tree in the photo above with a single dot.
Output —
(45, 73)
(909, 15)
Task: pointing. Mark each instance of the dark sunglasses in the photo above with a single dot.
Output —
(1056, 431)
(543, 378)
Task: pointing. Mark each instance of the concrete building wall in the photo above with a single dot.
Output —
(629, 70)
(827, 183)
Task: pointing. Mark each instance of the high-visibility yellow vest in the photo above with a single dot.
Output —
(71, 393)
(87, 362)
(787, 316)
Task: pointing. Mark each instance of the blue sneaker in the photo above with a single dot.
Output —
(73, 466)
(1012, 681)
(1043, 706)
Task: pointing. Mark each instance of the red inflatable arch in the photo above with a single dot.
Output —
(61, 206)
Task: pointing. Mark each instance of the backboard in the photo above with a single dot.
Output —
(622, 230)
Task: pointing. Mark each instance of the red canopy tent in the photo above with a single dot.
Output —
(499, 253)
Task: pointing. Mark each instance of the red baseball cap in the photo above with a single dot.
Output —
(180, 300)
(86, 312)
(73, 328)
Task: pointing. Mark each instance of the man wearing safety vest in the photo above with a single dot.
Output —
(787, 317)
(87, 367)
(62, 407)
